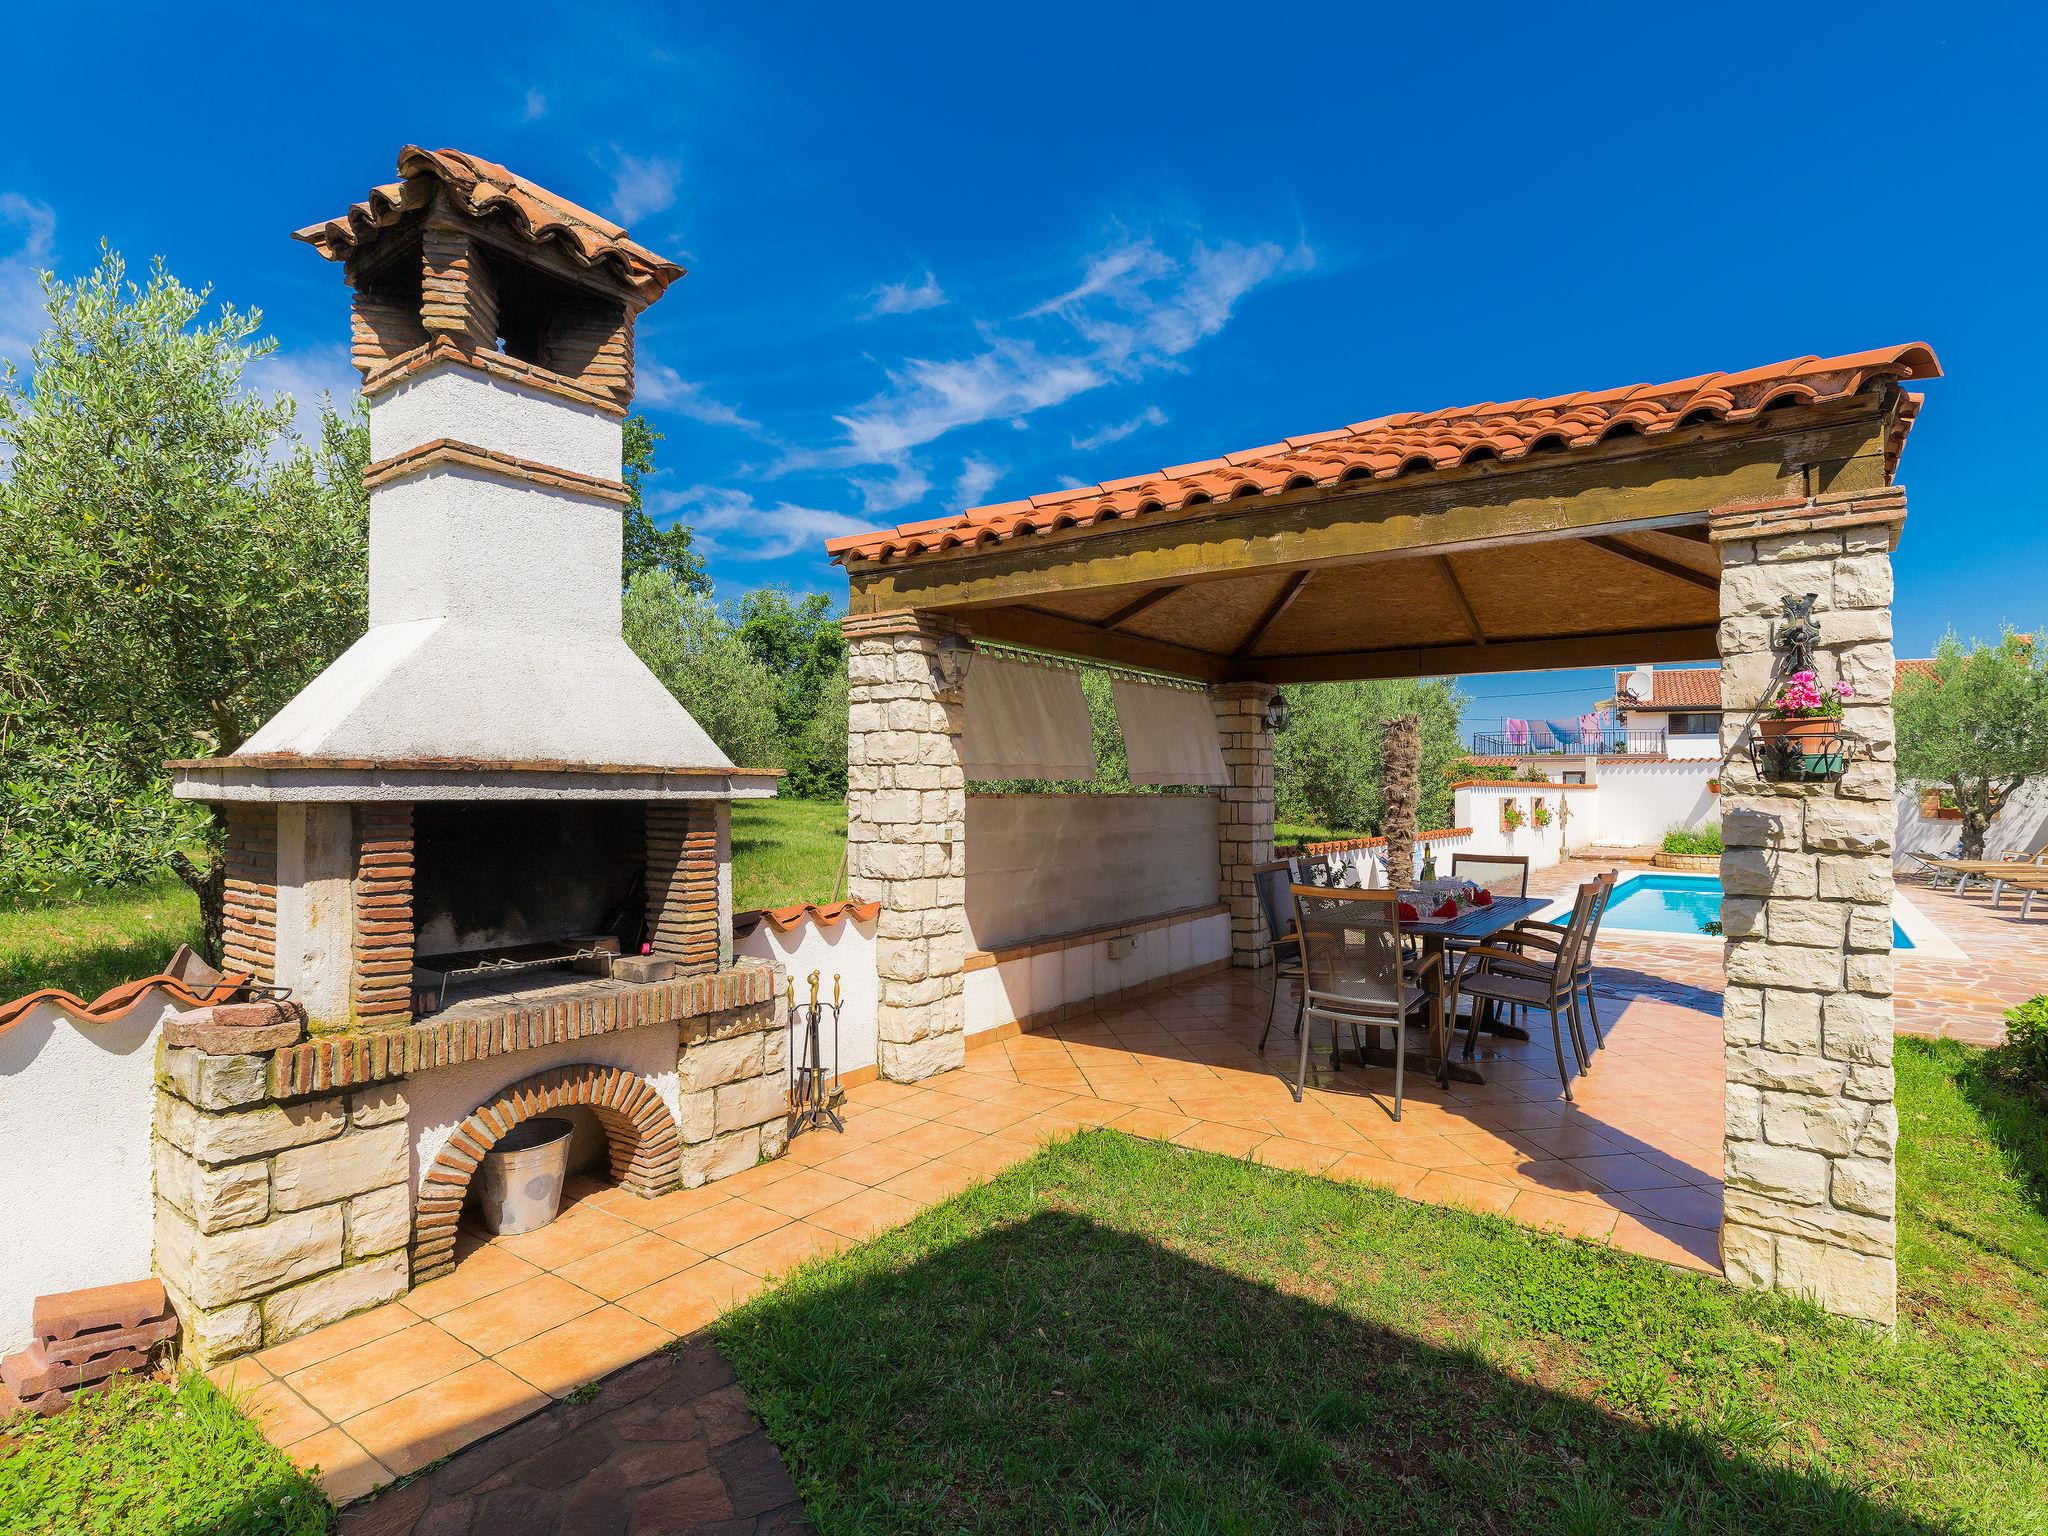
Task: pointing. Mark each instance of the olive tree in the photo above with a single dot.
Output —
(175, 563)
(1975, 722)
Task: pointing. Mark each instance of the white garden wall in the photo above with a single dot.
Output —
(2020, 828)
(1640, 802)
(76, 1096)
(1042, 865)
(846, 949)
(1478, 806)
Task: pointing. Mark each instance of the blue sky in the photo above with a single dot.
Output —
(943, 255)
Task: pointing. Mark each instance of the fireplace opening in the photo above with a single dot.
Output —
(508, 895)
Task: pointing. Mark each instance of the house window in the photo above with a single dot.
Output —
(1700, 724)
(1574, 776)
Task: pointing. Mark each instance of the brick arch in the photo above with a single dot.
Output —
(640, 1134)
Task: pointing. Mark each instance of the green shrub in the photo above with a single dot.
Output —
(2024, 1056)
(1694, 840)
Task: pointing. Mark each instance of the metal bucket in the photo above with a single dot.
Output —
(519, 1187)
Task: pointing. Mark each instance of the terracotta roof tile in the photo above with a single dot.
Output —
(119, 999)
(1700, 687)
(486, 190)
(825, 915)
(1413, 442)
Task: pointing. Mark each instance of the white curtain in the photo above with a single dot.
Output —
(1170, 734)
(1025, 722)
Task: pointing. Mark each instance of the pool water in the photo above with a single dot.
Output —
(1679, 904)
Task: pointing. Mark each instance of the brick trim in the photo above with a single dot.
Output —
(249, 928)
(1804, 514)
(446, 452)
(389, 374)
(353, 1058)
(682, 883)
(381, 976)
(643, 1145)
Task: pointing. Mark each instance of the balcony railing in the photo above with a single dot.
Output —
(1542, 741)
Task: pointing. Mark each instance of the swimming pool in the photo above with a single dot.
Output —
(1678, 904)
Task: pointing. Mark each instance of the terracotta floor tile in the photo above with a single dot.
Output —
(409, 1432)
(240, 1375)
(751, 1180)
(673, 1206)
(1688, 1206)
(932, 1139)
(1155, 1124)
(630, 1266)
(567, 1239)
(1440, 1188)
(1230, 1140)
(336, 1338)
(991, 1154)
(933, 1182)
(370, 1374)
(492, 1324)
(593, 1345)
(479, 1272)
(1382, 1172)
(1668, 1242)
(1573, 1218)
(861, 1216)
(805, 1192)
(1625, 1171)
(281, 1413)
(345, 1470)
(873, 1165)
(724, 1226)
(683, 1303)
(1301, 1156)
(782, 1250)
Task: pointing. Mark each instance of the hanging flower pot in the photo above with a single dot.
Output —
(1802, 732)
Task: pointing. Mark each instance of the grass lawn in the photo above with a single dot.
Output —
(89, 945)
(148, 1459)
(784, 852)
(1126, 1336)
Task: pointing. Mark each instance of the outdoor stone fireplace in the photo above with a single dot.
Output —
(481, 862)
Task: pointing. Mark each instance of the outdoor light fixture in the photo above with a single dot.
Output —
(952, 657)
(1276, 712)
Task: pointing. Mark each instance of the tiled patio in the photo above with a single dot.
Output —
(524, 1320)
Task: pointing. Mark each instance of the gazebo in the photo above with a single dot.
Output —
(1695, 520)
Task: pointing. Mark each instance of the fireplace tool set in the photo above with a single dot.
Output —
(812, 1088)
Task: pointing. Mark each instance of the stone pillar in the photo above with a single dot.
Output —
(1244, 820)
(273, 1215)
(1811, 1128)
(906, 830)
(316, 892)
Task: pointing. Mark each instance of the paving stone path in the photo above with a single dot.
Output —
(666, 1446)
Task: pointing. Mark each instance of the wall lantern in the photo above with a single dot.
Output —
(951, 658)
(1276, 712)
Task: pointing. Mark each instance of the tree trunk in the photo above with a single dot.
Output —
(209, 882)
(1975, 801)
(1400, 795)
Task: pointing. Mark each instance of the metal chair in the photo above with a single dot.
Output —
(1486, 975)
(1546, 936)
(1354, 974)
(1272, 882)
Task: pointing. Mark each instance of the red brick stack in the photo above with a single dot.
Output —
(81, 1339)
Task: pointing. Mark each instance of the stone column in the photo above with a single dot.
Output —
(906, 831)
(1244, 819)
(1811, 1128)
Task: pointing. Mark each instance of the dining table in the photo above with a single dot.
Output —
(1472, 926)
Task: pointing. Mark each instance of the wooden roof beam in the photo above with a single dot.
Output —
(1290, 589)
(1710, 582)
(1693, 644)
(1038, 630)
(1443, 566)
(1136, 606)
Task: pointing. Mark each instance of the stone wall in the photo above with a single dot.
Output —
(1811, 1130)
(1245, 815)
(905, 838)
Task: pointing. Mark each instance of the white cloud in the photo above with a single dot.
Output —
(306, 375)
(977, 479)
(1136, 310)
(905, 485)
(1117, 431)
(536, 106)
(660, 386)
(23, 256)
(641, 187)
(731, 524)
(906, 298)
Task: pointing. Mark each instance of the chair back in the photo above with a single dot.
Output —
(1575, 947)
(1504, 874)
(1351, 948)
(1272, 881)
(1606, 882)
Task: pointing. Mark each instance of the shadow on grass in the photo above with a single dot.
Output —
(1055, 1374)
(2016, 1124)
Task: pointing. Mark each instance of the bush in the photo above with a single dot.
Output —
(2024, 1056)
(1693, 840)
